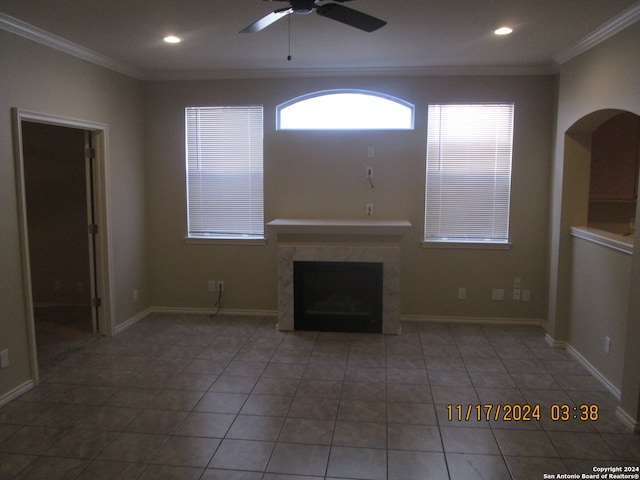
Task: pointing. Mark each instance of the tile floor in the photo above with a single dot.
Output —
(190, 397)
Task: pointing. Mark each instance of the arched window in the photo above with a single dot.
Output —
(345, 110)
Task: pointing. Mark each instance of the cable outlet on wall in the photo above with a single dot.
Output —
(211, 285)
(369, 172)
(497, 294)
(462, 293)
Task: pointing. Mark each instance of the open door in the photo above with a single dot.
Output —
(62, 198)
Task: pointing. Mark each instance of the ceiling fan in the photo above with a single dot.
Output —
(334, 11)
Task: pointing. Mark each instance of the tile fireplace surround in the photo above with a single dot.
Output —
(340, 241)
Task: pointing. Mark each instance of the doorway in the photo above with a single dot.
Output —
(61, 203)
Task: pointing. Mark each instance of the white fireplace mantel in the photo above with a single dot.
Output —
(339, 226)
(315, 244)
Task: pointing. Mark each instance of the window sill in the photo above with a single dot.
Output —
(214, 240)
(466, 245)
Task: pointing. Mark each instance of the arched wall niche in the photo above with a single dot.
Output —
(572, 327)
(577, 164)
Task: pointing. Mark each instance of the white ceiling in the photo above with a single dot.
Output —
(429, 35)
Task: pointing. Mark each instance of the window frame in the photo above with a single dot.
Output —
(195, 237)
(471, 243)
(341, 91)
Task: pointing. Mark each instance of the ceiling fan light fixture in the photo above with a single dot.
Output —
(333, 10)
(503, 31)
(172, 39)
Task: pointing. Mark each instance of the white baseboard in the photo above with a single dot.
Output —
(594, 371)
(16, 392)
(132, 321)
(191, 311)
(208, 311)
(613, 390)
(473, 320)
(628, 420)
(554, 343)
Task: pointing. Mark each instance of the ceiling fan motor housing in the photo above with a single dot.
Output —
(303, 7)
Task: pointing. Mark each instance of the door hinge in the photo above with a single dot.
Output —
(91, 153)
(93, 229)
(96, 302)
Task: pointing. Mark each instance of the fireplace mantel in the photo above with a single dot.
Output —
(339, 226)
(340, 240)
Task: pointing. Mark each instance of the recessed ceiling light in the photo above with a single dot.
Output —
(172, 39)
(503, 31)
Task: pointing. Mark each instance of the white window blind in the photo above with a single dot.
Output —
(225, 172)
(468, 174)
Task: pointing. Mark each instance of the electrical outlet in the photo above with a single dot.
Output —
(462, 293)
(4, 358)
(221, 285)
(607, 345)
(517, 283)
(516, 294)
(211, 285)
(369, 209)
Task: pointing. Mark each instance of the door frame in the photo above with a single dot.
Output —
(101, 278)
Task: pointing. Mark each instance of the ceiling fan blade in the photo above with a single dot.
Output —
(351, 17)
(267, 20)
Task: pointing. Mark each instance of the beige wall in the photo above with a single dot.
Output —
(598, 305)
(39, 79)
(321, 174)
(605, 77)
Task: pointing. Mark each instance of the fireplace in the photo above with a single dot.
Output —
(338, 296)
(340, 241)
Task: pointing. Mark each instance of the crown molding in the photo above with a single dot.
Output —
(489, 70)
(26, 30)
(603, 32)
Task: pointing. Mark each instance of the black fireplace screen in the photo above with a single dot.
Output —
(338, 296)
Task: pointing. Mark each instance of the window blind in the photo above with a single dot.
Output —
(224, 150)
(468, 173)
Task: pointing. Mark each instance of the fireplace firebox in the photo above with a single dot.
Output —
(338, 296)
